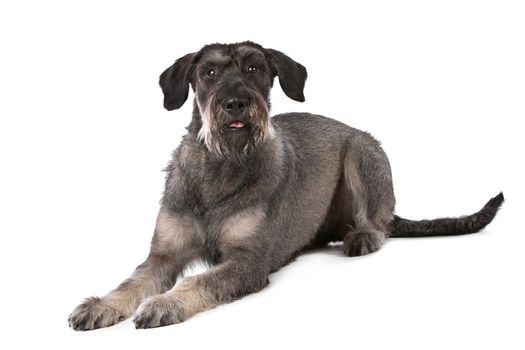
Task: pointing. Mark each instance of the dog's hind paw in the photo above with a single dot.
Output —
(362, 243)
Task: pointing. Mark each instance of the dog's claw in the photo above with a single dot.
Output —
(93, 313)
(158, 311)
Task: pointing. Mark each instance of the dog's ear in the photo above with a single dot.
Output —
(292, 75)
(175, 82)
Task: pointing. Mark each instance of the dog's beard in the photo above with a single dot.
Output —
(232, 143)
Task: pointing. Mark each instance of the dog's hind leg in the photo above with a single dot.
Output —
(368, 182)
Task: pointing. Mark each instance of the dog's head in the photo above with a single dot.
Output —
(232, 85)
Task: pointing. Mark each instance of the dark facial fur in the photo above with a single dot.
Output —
(232, 85)
(247, 193)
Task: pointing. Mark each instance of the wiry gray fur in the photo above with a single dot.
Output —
(248, 193)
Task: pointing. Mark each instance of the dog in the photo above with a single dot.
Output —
(247, 193)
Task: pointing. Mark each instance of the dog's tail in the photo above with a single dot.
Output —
(448, 226)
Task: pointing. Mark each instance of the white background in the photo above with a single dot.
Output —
(83, 139)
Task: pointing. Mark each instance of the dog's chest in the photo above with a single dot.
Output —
(201, 185)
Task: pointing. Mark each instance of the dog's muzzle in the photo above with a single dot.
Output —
(233, 122)
(235, 108)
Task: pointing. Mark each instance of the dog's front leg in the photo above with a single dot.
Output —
(176, 241)
(240, 274)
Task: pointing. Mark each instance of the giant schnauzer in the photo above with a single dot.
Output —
(247, 193)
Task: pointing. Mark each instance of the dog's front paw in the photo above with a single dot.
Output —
(158, 311)
(361, 243)
(94, 313)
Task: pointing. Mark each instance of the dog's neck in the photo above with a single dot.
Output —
(196, 120)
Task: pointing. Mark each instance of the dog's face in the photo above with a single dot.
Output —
(232, 85)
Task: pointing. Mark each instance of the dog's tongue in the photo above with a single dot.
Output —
(236, 124)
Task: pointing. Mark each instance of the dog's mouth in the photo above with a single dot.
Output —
(236, 124)
(236, 127)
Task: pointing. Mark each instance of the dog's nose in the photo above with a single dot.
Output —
(235, 106)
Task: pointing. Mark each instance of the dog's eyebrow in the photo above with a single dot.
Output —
(246, 52)
(217, 58)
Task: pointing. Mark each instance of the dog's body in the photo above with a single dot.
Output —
(247, 193)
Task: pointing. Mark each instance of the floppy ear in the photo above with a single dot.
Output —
(175, 82)
(292, 75)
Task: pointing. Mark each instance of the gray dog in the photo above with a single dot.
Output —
(247, 193)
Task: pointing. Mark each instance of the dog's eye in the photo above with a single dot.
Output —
(252, 69)
(211, 72)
